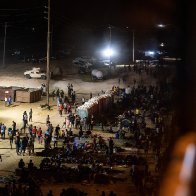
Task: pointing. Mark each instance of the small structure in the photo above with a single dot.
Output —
(8, 91)
(28, 95)
(95, 105)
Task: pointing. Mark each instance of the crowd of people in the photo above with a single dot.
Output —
(142, 105)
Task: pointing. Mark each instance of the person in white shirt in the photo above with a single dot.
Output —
(5, 100)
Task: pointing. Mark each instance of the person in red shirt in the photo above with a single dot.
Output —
(34, 132)
(61, 109)
(39, 135)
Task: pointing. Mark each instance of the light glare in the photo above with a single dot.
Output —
(151, 52)
(161, 25)
(162, 44)
(108, 52)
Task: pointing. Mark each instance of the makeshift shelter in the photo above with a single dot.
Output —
(95, 105)
(8, 91)
(28, 95)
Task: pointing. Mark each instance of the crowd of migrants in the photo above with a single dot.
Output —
(141, 103)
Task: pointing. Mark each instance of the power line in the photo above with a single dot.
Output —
(17, 9)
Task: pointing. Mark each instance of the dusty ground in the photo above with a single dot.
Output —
(13, 76)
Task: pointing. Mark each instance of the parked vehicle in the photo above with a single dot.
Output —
(96, 74)
(35, 73)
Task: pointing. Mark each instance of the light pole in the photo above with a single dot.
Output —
(110, 31)
(133, 46)
(48, 57)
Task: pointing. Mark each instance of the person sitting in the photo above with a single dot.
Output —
(21, 164)
(30, 165)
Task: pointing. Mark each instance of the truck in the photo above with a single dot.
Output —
(96, 74)
(35, 72)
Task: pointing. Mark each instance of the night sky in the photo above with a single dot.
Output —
(118, 12)
(80, 25)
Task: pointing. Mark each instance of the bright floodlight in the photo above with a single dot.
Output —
(108, 52)
(151, 52)
(162, 44)
(161, 25)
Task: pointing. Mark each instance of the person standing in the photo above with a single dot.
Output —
(57, 130)
(24, 143)
(47, 120)
(11, 136)
(55, 139)
(14, 127)
(5, 101)
(25, 121)
(65, 107)
(71, 89)
(111, 146)
(39, 135)
(68, 90)
(73, 97)
(30, 115)
(17, 142)
(3, 128)
(30, 128)
(9, 100)
(30, 146)
(34, 132)
(60, 109)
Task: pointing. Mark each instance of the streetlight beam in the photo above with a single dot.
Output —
(108, 52)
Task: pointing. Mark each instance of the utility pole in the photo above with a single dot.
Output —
(110, 39)
(133, 47)
(4, 43)
(51, 38)
(48, 57)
